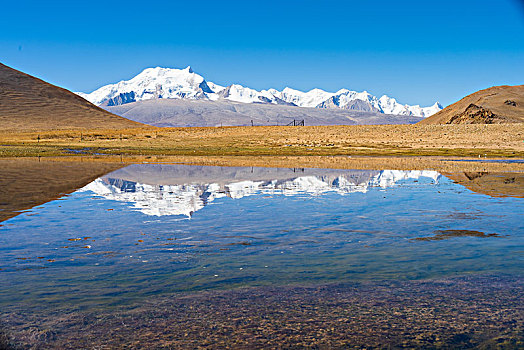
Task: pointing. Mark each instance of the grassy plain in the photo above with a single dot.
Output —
(497, 140)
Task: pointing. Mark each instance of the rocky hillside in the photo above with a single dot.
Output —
(496, 105)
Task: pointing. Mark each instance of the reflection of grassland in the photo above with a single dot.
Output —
(371, 140)
(441, 164)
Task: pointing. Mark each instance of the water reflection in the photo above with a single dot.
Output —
(376, 249)
(491, 184)
(448, 234)
(334, 224)
(25, 183)
(160, 190)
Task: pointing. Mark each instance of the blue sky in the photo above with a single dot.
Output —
(415, 51)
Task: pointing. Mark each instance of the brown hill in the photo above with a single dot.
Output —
(28, 103)
(496, 105)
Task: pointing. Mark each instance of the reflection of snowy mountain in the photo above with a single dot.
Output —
(155, 197)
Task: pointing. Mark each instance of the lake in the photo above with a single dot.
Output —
(172, 255)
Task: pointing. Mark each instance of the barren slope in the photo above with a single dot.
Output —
(496, 105)
(28, 103)
(181, 113)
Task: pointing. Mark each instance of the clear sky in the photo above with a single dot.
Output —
(416, 51)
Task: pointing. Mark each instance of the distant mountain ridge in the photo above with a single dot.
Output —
(169, 83)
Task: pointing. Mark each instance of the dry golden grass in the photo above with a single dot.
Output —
(500, 140)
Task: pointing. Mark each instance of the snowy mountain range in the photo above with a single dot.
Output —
(185, 198)
(168, 83)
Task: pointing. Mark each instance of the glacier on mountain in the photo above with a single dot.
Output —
(168, 83)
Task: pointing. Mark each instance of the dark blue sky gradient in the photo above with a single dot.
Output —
(415, 51)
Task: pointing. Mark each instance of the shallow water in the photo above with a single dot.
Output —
(150, 231)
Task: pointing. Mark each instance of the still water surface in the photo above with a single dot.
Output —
(151, 230)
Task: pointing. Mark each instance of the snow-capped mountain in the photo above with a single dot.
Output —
(153, 83)
(187, 198)
(167, 83)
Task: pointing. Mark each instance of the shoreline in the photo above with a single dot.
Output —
(440, 164)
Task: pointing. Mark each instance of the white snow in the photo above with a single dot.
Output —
(186, 199)
(215, 87)
(311, 98)
(238, 93)
(155, 83)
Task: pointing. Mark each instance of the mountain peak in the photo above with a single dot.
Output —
(171, 83)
